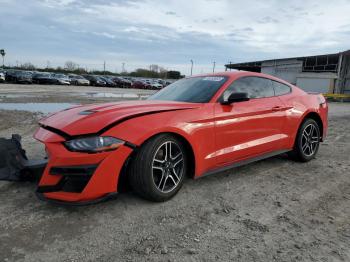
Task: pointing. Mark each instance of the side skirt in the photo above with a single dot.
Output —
(243, 162)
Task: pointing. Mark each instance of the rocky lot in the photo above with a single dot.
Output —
(272, 210)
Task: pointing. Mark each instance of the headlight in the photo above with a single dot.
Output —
(93, 144)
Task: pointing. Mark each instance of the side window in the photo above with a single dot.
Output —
(281, 89)
(256, 87)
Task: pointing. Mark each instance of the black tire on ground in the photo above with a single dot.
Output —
(144, 175)
(306, 142)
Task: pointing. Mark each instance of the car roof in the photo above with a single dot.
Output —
(241, 73)
(233, 74)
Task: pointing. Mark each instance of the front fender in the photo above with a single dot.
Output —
(195, 126)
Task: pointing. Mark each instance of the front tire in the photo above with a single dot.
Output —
(158, 170)
(307, 141)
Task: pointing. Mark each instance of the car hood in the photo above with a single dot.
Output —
(95, 118)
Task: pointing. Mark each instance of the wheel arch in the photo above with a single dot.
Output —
(315, 116)
(123, 181)
(188, 148)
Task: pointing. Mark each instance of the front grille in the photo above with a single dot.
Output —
(87, 170)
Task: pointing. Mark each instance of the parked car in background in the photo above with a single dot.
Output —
(78, 80)
(10, 75)
(24, 77)
(21, 77)
(2, 77)
(60, 79)
(95, 80)
(161, 81)
(122, 82)
(38, 77)
(140, 85)
(42, 78)
(126, 82)
(109, 82)
(156, 85)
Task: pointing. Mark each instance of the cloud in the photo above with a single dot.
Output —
(142, 32)
(268, 19)
(170, 13)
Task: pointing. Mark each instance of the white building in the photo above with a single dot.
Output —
(324, 73)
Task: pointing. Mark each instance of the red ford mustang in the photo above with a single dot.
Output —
(193, 127)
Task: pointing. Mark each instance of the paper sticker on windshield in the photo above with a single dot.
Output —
(213, 78)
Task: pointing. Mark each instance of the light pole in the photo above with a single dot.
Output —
(2, 52)
(214, 63)
(191, 66)
(123, 67)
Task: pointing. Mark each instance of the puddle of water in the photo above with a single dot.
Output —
(36, 107)
(16, 95)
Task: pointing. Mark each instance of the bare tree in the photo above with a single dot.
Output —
(27, 66)
(163, 72)
(154, 68)
(70, 66)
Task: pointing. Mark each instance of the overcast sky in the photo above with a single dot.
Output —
(169, 32)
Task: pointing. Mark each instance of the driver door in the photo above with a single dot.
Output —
(249, 128)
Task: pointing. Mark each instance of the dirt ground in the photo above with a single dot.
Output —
(272, 210)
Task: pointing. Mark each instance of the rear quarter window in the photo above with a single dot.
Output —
(281, 89)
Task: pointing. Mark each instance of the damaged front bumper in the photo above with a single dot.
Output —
(78, 178)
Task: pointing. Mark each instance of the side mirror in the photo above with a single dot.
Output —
(235, 97)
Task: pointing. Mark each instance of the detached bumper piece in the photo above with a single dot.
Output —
(12, 158)
(74, 179)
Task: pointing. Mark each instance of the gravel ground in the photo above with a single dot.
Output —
(272, 210)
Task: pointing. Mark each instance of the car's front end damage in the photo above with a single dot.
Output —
(85, 161)
(79, 177)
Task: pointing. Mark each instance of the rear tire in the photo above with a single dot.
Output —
(307, 141)
(158, 170)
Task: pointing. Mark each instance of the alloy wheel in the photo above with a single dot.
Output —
(167, 166)
(310, 140)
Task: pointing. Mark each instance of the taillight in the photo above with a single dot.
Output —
(321, 99)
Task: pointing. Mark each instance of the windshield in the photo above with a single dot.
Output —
(24, 73)
(60, 76)
(42, 75)
(193, 90)
(76, 77)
